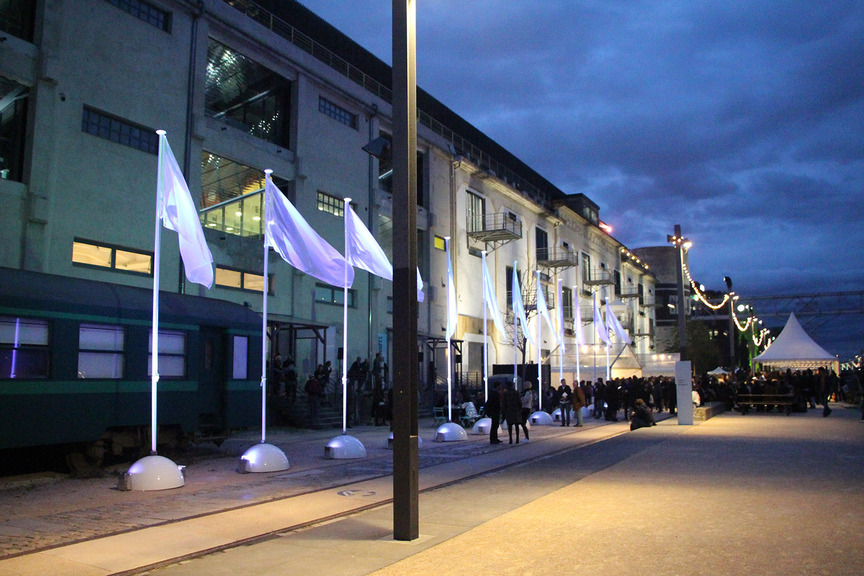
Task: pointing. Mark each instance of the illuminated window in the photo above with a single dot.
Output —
(146, 12)
(246, 95)
(327, 294)
(107, 256)
(439, 243)
(567, 302)
(101, 351)
(331, 204)
(475, 212)
(337, 112)
(229, 278)
(172, 354)
(24, 352)
(119, 131)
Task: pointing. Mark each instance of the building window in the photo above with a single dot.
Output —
(24, 352)
(240, 360)
(246, 95)
(13, 127)
(509, 279)
(146, 12)
(107, 256)
(475, 212)
(567, 303)
(101, 351)
(439, 243)
(120, 131)
(541, 240)
(327, 294)
(172, 354)
(230, 278)
(336, 112)
(331, 204)
(16, 18)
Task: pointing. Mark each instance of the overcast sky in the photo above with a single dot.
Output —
(741, 121)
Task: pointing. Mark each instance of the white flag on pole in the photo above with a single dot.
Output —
(614, 324)
(361, 248)
(560, 309)
(577, 318)
(492, 299)
(178, 213)
(421, 296)
(299, 245)
(543, 310)
(599, 325)
(519, 306)
(452, 314)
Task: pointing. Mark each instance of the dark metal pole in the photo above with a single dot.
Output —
(406, 516)
(682, 319)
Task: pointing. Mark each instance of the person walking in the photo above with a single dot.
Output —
(527, 406)
(493, 411)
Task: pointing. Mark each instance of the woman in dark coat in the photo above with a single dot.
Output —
(512, 411)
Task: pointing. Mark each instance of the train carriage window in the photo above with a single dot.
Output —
(239, 368)
(172, 354)
(101, 351)
(24, 350)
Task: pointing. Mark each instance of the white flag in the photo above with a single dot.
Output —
(298, 244)
(361, 249)
(543, 310)
(599, 325)
(420, 295)
(577, 318)
(519, 306)
(452, 315)
(491, 298)
(178, 213)
(613, 324)
(560, 309)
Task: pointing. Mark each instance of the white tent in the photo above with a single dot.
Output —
(794, 349)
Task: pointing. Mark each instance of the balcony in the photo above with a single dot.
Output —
(559, 258)
(599, 277)
(494, 229)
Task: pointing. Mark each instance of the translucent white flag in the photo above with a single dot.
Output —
(519, 306)
(543, 310)
(361, 248)
(298, 244)
(613, 324)
(452, 315)
(599, 325)
(560, 309)
(577, 318)
(421, 296)
(491, 298)
(178, 213)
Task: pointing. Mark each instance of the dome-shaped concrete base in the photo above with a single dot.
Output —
(389, 443)
(541, 418)
(153, 473)
(263, 458)
(344, 447)
(450, 432)
(482, 426)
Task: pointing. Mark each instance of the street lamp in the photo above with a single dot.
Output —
(728, 282)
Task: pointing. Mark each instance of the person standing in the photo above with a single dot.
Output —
(493, 411)
(564, 402)
(527, 406)
(313, 399)
(579, 402)
(513, 411)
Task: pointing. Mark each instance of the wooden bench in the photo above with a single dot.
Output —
(745, 402)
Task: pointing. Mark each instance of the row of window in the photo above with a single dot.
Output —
(25, 346)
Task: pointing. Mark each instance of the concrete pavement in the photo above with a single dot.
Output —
(755, 494)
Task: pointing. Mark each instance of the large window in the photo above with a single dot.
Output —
(247, 95)
(146, 12)
(230, 278)
(541, 239)
(13, 126)
(475, 212)
(586, 273)
(567, 302)
(24, 351)
(336, 112)
(107, 256)
(172, 354)
(331, 204)
(16, 18)
(101, 351)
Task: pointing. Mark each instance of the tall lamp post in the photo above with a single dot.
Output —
(406, 517)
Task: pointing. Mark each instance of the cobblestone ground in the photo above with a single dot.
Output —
(48, 510)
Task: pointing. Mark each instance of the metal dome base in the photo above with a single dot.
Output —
(344, 447)
(153, 473)
(263, 458)
(450, 432)
(540, 418)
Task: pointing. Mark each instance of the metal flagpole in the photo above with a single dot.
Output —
(485, 341)
(561, 335)
(157, 249)
(515, 323)
(347, 206)
(264, 323)
(539, 352)
(449, 364)
(577, 317)
(608, 368)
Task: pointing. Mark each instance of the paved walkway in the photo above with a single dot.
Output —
(755, 494)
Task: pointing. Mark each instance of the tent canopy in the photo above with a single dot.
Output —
(794, 348)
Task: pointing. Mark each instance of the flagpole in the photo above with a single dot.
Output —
(485, 341)
(449, 363)
(539, 351)
(157, 249)
(264, 319)
(561, 333)
(347, 206)
(608, 368)
(577, 317)
(515, 324)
